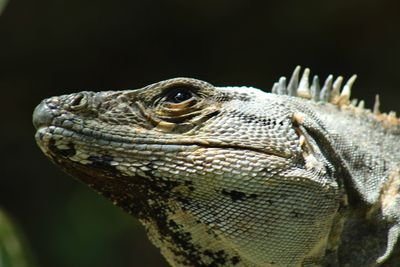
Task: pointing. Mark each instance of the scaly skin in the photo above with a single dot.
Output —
(224, 176)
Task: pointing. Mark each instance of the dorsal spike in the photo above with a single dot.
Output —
(282, 86)
(294, 82)
(354, 102)
(346, 92)
(275, 88)
(315, 88)
(377, 105)
(344, 98)
(326, 89)
(392, 118)
(304, 86)
(361, 104)
(337, 84)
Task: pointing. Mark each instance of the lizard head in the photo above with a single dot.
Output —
(206, 169)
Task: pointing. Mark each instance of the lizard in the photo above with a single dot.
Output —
(235, 176)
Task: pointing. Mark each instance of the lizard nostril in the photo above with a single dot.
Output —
(77, 102)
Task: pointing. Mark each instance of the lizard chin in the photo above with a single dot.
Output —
(136, 194)
(133, 194)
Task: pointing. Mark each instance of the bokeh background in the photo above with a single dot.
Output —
(53, 47)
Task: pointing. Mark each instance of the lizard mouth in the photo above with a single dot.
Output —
(54, 133)
(60, 141)
(62, 135)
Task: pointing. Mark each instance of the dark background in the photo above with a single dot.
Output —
(53, 47)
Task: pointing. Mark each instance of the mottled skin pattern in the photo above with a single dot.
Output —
(233, 176)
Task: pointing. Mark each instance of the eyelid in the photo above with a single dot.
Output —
(187, 103)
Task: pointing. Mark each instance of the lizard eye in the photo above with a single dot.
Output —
(178, 95)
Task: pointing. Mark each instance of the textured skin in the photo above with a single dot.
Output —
(233, 176)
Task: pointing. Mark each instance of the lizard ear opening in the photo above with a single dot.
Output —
(314, 155)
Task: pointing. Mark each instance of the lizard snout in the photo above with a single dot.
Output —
(42, 115)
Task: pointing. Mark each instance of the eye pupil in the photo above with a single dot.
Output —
(179, 95)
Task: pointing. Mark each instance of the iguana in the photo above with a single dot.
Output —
(234, 176)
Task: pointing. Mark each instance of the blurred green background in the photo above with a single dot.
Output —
(53, 47)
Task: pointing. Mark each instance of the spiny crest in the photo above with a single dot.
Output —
(331, 92)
